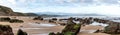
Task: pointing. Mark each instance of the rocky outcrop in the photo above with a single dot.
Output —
(112, 29)
(55, 19)
(86, 21)
(70, 29)
(5, 30)
(16, 21)
(7, 19)
(38, 18)
(20, 32)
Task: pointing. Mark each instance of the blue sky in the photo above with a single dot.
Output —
(107, 7)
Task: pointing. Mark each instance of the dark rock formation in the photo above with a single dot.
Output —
(52, 33)
(112, 28)
(20, 32)
(5, 30)
(86, 21)
(70, 29)
(5, 19)
(101, 20)
(62, 19)
(70, 21)
(51, 21)
(16, 21)
(55, 19)
(38, 18)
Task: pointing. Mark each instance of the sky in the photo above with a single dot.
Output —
(106, 7)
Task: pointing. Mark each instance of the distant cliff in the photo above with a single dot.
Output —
(6, 11)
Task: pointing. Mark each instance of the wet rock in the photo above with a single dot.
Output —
(5, 30)
(70, 29)
(55, 19)
(86, 21)
(38, 18)
(5, 19)
(16, 21)
(51, 21)
(70, 21)
(97, 31)
(101, 20)
(20, 32)
(112, 29)
(63, 24)
(78, 19)
(62, 19)
(52, 33)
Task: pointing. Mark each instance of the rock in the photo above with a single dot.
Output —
(78, 19)
(62, 19)
(101, 20)
(86, 21)
(51, 21)
(38, 18)
(20, 32)
(97, 31)
(6, 30)
(55, 19)
(63, 24)
(52, 33)
(112, 29)
(16, 21)
(70, 21)
(70, 29)
(5, 19)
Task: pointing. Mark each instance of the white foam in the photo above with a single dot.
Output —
(96, 23)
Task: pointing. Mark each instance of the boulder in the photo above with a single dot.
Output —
(6, 30)
(112, 28)
(20, 32)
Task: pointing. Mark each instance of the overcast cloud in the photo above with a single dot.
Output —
(111, 7)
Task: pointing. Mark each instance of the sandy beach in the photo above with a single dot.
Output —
(44, 27)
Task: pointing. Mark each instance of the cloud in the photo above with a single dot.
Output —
(72, 6)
